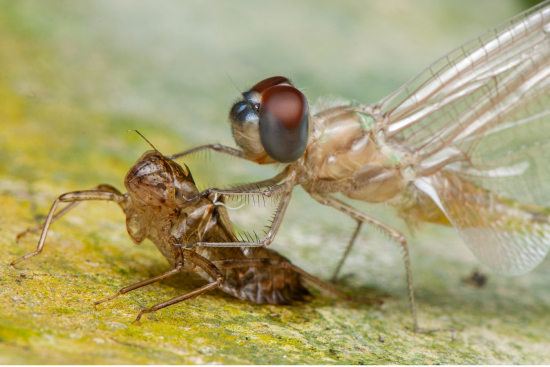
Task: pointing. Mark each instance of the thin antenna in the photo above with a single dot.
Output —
(144, 138)
(233, 82)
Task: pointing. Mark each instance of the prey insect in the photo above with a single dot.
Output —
(157, 207)
(464, 143)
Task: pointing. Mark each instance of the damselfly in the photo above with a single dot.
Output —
(464, 143)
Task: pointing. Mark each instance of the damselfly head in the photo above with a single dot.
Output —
(271, 121)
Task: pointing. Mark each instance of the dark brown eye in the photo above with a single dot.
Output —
(284, 120)
(268, 83)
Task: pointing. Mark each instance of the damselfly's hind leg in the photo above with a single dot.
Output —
(351, 242)
(205, 265)
(393, 233)
(108, 193)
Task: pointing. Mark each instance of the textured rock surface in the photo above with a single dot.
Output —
(74, 78)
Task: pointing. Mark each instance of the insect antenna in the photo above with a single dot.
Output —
(233, 83)
(144, 138)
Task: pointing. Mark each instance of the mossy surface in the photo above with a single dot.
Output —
(75, 76)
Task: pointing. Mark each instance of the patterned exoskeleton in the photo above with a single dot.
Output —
(157, 207)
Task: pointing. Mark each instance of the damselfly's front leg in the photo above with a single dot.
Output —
(216, 147)
(204, 264)
(276, 263)
(393, 233)
(284, 190)
(265, 183)
(70, 197)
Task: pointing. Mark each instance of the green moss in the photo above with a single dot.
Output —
(16, 334)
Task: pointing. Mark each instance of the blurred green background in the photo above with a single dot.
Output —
(74, 76)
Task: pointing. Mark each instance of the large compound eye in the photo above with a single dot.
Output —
(268, 83)
(284, 120)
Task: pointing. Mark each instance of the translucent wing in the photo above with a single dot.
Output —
(480, 120)
(509, 236)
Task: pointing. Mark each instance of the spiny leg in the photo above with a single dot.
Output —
(251, 189)
(346, 252)
(65, 210)
(239, 154)
(265, 183)
(70, 197)
(203, 263)
(216, 147)
(276, 263)
(179, 267)
(284, 189)
(396, 235)
(266, 240)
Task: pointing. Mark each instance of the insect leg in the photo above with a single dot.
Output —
(62, 212)
(265, 241)
(203, 263)
(265, 183)
(70, 197)
(249, 189)
(284, 189)
(216, 147)
(396, 235)
(346, 252)
(143, 283)
(277, 263)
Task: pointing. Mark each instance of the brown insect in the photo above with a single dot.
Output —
(162, 204)
(464, 143)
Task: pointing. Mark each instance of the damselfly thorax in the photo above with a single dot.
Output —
(348, 153)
